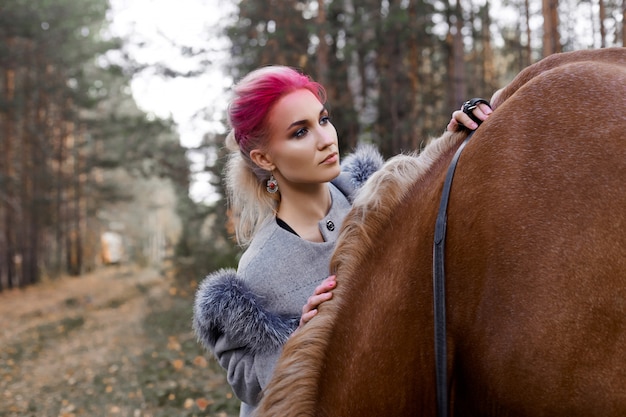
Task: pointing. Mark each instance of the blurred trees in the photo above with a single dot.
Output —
(43, 142)
(76, 152)
(395, 69)
(67, 120)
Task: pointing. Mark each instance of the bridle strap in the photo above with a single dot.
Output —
(439, 288)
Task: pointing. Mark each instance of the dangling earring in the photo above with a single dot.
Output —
(271, 185)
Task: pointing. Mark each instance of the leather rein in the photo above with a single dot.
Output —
(439, 290)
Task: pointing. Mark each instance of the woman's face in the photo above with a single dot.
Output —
(303, 142)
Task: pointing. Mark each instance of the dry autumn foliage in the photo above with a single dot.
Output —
(112, 343)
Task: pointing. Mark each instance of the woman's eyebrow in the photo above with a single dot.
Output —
(304, 121)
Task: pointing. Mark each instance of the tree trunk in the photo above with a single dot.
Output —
(8, 177)
(528, 59)
(623, 23)
(454, 44)
(489, 82)
(413, 71)
(460, 86)
(322, 48)
(602, 16)
(551, 38)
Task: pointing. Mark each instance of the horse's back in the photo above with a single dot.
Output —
(535, 263)
(613, 56)
(537, 234)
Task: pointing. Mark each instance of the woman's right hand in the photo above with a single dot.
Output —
(323, 292)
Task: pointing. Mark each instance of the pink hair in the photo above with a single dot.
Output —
(255, 95)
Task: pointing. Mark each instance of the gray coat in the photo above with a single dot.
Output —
(244, 317)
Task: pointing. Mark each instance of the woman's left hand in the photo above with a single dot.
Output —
(482, 112)
(322, 293)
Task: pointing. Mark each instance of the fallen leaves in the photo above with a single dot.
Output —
(178, 364)
(200, 403)
(200, 361)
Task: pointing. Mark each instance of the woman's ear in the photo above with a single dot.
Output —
(263, 160)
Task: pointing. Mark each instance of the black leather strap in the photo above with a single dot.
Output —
(439, 288)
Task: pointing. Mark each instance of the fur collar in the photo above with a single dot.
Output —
(356, 168)
(362, 163)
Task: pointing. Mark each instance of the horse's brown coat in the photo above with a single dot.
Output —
(535, 267)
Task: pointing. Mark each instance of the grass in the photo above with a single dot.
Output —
(201, 379)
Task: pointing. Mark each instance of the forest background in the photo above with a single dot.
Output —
(79, 160)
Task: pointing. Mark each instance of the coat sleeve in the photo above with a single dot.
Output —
(246, 339)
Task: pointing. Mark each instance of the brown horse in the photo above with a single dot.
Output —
(535, 267)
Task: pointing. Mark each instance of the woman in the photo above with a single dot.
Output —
(287, 212)
(289, 195)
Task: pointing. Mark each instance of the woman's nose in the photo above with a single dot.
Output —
(326, 138)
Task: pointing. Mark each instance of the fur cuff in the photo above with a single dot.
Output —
(225, 305)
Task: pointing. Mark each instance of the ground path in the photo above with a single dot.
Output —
(116, 342)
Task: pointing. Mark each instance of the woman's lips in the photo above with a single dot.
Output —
(331, 159)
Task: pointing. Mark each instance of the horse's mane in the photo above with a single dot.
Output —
(377, 200)
(293, 388)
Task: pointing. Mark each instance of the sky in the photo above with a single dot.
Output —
(159, 26)
(160, 23)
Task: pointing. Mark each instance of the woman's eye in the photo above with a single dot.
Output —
(324, 120)
(300, 133)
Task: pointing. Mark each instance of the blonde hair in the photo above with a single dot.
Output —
(249, 202)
